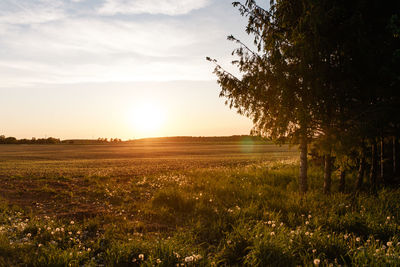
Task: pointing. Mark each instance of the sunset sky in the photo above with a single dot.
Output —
(115, 68)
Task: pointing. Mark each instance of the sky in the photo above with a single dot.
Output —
(116, 68)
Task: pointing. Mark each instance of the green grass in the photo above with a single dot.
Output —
(222, 206)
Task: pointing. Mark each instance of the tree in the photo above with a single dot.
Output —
(277, 87)
(324, 71)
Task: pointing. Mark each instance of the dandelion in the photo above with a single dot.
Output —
(197, 257)
(317, 262)
(141, 257)
(189, 259)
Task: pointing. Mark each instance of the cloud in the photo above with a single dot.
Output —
(31, 12)
(166, 7)
(67, 44)
(77, 50)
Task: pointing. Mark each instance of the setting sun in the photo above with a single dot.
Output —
(147, 118)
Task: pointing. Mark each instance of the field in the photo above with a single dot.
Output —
(183, 204)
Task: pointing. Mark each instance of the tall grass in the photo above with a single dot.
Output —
(247, 215)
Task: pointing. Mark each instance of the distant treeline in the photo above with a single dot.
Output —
(201, 139)
(175, 139)
(92, 141)
(13, 140)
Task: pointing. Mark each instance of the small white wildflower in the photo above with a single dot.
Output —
(389, 244)
(72, 222)
(358, 239)
(197, 257)
(317, 262)
(272, 233)
(141, 257)
(314, 251)
(158, 261)
(189, 259)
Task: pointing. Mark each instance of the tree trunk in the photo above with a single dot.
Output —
(327, 173)
(381, 161)
(361, 171)
(374, 163)
(394, 158)
(303, 164)
(342, 182)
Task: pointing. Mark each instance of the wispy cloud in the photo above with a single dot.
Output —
(31, 12)
(166, 7)
(93, 50)
(59, 42)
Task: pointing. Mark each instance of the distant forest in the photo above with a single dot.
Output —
(177, 139)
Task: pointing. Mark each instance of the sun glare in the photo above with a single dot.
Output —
(147, 119)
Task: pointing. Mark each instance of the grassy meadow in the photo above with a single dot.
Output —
(184, 204)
